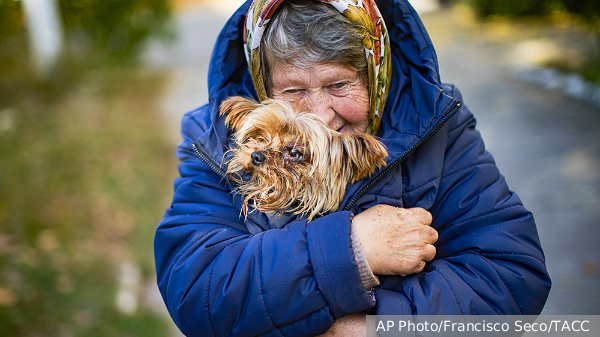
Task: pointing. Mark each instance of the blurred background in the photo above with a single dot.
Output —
(92, 92)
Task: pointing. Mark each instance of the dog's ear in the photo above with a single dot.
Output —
(236, 108)
(364, 154)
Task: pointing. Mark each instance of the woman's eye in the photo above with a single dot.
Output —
(293, 91)
(338, 85)
(339, 88)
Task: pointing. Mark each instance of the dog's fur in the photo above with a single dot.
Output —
(300, 165)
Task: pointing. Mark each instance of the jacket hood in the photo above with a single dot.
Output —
(415, 104)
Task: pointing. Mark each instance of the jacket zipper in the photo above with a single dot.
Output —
(209, 162)
(455, 107)
(218, 170)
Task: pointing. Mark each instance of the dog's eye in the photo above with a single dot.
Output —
(292, 154)
(253, 138)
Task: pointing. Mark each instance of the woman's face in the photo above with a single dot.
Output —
(331, 90)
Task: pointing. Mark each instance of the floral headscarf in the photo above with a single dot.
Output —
(376, 41)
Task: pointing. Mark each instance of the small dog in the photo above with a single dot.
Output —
(295, 162)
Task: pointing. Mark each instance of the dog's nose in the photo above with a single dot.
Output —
(257, 158)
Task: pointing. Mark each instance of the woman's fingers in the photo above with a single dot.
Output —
(396, 241)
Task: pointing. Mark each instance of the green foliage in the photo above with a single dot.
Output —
(485, 8)
(114, 27)
(98, 33)
(590, 69)
(13, 47)
(86, 177)
(85, 173)
(587, 9)
(585, 12)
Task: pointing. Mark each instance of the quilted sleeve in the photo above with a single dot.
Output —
(217, 279)
(489, 259)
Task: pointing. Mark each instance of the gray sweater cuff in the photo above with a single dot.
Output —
(366, 275)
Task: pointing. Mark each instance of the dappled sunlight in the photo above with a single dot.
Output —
(87, 172)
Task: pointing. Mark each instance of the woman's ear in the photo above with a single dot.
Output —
(236, 108)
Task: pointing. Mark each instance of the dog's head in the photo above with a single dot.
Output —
(295, 162)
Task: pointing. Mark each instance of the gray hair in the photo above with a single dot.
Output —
(305, 32)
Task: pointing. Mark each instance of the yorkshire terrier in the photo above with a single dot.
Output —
(292, 161)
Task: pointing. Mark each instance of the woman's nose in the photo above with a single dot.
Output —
(321, 105)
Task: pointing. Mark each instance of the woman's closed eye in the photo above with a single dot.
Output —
(294, 92)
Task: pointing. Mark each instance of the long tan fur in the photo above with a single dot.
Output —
(311, 183)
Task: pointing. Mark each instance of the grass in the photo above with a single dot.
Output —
(86, 173)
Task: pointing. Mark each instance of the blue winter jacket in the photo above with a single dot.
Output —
(220, 274)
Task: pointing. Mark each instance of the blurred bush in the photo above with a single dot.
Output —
(588, 10)
(584, 8)
(85, 175)
(85, 179)
(585, 12)
(14, 66)
(487, 8)
(98, 33)
(113, 27)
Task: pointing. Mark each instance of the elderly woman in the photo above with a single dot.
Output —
(436, 231)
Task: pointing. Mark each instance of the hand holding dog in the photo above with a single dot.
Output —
(396, 241)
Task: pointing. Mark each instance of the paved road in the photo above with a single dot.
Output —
(547, 145)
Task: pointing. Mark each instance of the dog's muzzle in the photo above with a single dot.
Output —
(258, 158)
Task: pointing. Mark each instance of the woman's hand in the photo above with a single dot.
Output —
(396, 241)
(348, 326)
